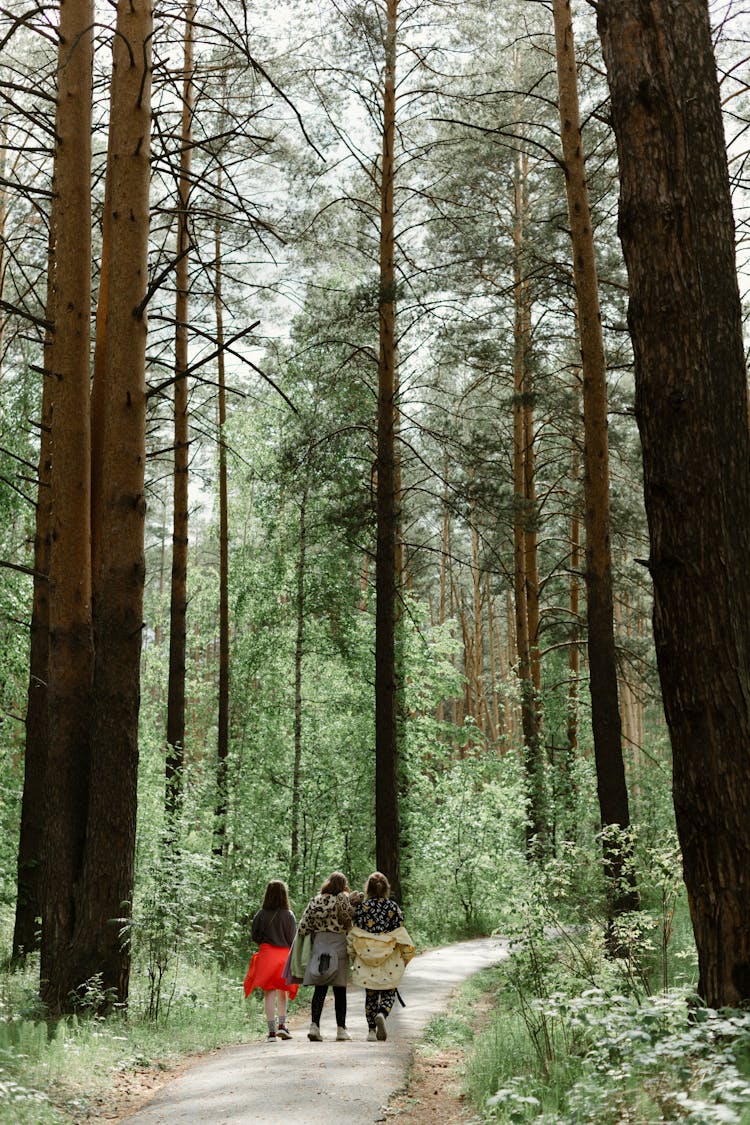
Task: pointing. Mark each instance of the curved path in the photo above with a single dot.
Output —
(302, 1083)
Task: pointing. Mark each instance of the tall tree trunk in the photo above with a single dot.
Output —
(222, 742)
(493, 645)
(677, 231)
(299, 650)
(3, 226)
(476, 672)
(26, 933)
(605, 714)
(118, 573)
(574, 652)
(175, 758)
(388, 841)
(531, 565)
(70, 633)
(532, 757)
(445, 546)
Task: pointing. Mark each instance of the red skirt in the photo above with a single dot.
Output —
(265, 970)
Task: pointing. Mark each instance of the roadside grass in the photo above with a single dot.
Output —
(54, 1075)
(595, 1055)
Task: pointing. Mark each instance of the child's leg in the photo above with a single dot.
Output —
(316, 1008)
(268, 1000)
(386, 1000)
(339, 1000)
(371, 1006)
(281, 998)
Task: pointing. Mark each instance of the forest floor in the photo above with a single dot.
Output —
(298, 1082)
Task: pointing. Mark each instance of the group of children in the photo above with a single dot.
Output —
(341, 935)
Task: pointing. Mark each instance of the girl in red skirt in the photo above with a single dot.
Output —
(273, 928)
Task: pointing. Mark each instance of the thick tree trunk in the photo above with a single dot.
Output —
(605, 714)
(677, 232)
(102, 944)
(175, 758)
(70, 637)
(388, 836)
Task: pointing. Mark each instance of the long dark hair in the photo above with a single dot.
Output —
(276, 896)
(335, 884)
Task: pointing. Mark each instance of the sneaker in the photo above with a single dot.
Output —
(283, 1032)
(342, 1034)
(272, 1037)
(314, 1034)
(380, 1031)
(372, 1035)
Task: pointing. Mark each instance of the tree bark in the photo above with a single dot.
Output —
(26, 930)
(101, 943)
(388, 836)
(574, 652)
(175, 757)
(222, 741)
(677, 231)
(299, 651)
(605, 714)
(522, 555)
(70, 655)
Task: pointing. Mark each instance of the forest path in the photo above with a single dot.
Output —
(302, 1083)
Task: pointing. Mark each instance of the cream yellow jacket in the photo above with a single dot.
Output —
(378, 960)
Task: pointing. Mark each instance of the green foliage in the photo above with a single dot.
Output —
(65, 1073)
(623, 1060)
(465, 858)
(578, 1036)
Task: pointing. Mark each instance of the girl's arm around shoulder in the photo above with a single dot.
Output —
(304, 926)
(345, 908)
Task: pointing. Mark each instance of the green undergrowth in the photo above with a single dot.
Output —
(62, 1075)
(562, 1034)
(575, 1037)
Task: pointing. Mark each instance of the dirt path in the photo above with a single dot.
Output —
(301, 1083)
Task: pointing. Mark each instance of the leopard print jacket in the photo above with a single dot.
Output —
(332, 913)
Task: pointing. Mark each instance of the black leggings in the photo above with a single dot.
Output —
(339, 1000)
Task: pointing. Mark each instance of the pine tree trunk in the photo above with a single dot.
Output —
(26, 930)
(222, 744)
(175, 758)
(388, 843)
(493, 645)
(605, 714)
(677, 231)
(574, 652)
(477, 640)
(69, 668)
(101, 943)
(299, 651)
(531, 566)
(533, 766)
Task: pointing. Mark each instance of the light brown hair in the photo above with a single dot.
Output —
(335, 884)
(377, 886)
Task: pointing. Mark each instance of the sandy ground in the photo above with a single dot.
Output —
(302, 1083)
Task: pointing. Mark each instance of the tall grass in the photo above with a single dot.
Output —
(63, 1073)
